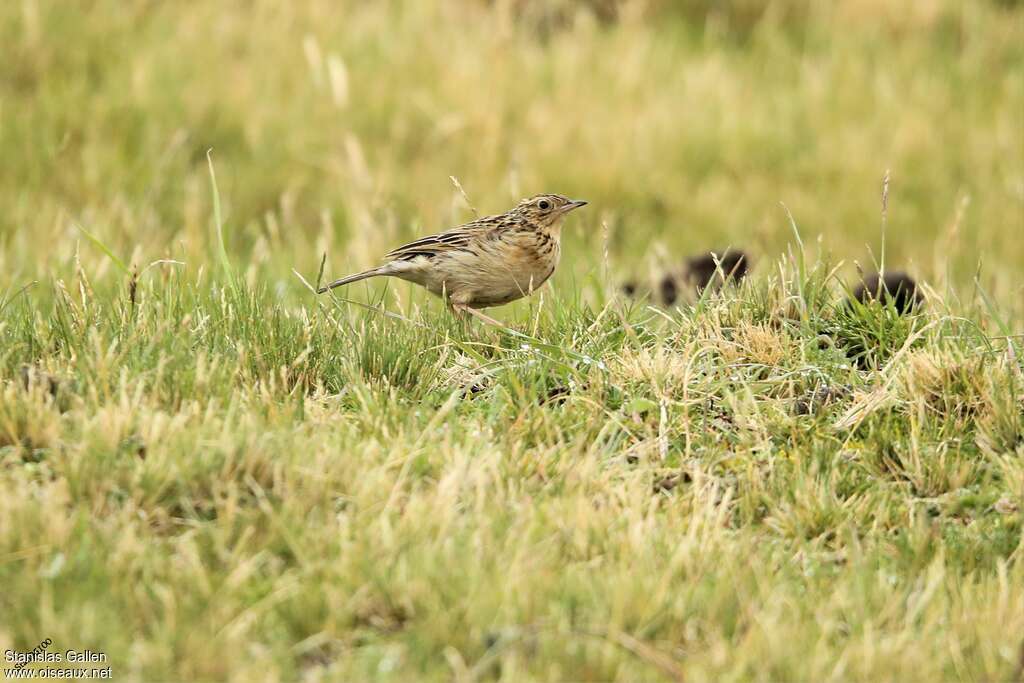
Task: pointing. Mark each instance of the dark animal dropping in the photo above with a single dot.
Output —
(704, 270)
(667, 290)
(895, 286)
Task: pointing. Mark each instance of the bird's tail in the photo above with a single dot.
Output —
(373, 272)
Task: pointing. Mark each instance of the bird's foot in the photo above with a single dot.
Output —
(462, 308)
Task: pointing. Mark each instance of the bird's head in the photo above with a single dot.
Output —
(547, 210)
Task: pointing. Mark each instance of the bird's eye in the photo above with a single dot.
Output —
(544, 205)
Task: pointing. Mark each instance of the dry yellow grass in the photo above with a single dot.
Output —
(217, 478)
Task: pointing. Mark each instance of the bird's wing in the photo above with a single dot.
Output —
(449, 240)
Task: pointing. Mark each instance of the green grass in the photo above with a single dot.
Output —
(209, 473)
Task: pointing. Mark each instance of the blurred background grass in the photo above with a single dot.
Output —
(335, 128)
(211, 486)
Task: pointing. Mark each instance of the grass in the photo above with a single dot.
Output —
(209, 473)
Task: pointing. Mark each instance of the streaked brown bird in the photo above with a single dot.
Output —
(487, 262)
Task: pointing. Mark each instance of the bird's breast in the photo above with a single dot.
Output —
(538, 257)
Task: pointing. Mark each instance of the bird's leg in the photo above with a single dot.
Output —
(459, 313)
(463, 308)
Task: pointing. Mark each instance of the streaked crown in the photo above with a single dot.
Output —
(546, 209)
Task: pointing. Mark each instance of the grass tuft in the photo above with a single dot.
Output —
(211, 473)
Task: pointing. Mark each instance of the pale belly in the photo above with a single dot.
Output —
(482, 280)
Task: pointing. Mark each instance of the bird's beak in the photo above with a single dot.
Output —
(574, 204)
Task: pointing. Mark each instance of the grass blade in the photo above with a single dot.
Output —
(222, 251)
(104, 248)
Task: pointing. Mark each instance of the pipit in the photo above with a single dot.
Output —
(487, 262)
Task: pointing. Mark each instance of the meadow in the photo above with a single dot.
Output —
(210, 473)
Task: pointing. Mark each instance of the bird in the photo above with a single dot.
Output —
(487, 262)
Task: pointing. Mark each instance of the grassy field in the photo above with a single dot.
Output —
(209, 473)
